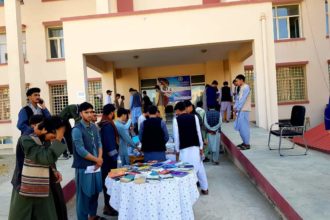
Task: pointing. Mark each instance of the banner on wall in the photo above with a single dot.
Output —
(176, 88)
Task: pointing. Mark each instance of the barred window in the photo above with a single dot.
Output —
(291, 84)
(249, 79)
(59, 97)
(4, 104)
(95, 95)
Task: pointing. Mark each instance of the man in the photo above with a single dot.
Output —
(69, 112)
(135, 104)
(200, 110)
(159, 101)
(108, 99)
(146, 100)
(212, 124)
(236, 89)
(125, 141)
(225, 98)
(87, 152)
(37, 200)
(36, 106)
(110, 140)
(117, 101)
(122, 102)
(189, 144)
(211, 94)
(153, 136)
(143, 117)
(242, 108)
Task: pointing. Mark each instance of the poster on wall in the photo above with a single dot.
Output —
(176, 88)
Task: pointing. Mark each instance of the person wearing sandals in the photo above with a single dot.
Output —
(242, 108)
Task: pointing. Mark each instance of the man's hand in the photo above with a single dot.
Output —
(201, 152)
(58, 176)
(99, 162)
(60, 133)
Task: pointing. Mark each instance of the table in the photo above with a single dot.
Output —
(159, 200)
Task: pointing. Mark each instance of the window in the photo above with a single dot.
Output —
(59, 97)
(286, 22)
(55, 42)
(291, 84)
(3, 48)
(4, 103)
(249, 79)
(327, 18)
(197, 88)
(95, 95)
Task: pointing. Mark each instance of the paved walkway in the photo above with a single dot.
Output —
(232, 196)
(303, 181)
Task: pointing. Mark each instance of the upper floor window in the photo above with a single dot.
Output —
(287, 22)
(55, 42)
(3, 48)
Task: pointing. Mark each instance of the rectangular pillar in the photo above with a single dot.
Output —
(15, 62)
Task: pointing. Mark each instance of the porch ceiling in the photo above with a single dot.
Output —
(171, 56)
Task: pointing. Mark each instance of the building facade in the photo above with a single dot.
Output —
(75, 50)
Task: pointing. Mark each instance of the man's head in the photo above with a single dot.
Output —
(158, 115)
(240, 79)
(180, 108)
(35, 120)
(200, 104)
(225, 83)
(132, 91)
(152, 111)
(109, 111)
(122, 97)
(109, 92)
(214, 83)
(33, 94)
(144, 93)
(122, 114)
(189, 106)
(49, 126)
(235, 82)
(117, 96)
(157, 88)
(86, 111)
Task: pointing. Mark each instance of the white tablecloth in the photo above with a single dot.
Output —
(162, 200)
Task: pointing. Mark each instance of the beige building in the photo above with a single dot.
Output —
(75, 50)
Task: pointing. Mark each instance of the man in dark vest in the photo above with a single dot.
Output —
(153, 135)
(36, 106)
(226, 99)
(189, 143)
(87, 152)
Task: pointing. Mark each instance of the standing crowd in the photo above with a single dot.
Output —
(99, 147)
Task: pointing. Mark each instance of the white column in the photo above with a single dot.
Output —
(265, 74)
(15, 62)
(76, 74)
(102, 6)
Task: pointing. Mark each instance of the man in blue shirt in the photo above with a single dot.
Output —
(110, 140)
(36, 106)
(87, 152)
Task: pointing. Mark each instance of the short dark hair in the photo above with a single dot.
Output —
(32, 90)
(152, 109)
(240, 77)
(144, 92)
(121, 111)
(108, 91)
(225, 83)
(234, 81)
(84, 106)
(157, 87)
(215, 82)
(187, 103)
(51, 124)
(199, 104)
(108, 108)
(122, 97)
(117, 95)
(35, 119)
(180, 106)
(131, 90)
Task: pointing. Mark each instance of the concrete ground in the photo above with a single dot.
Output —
(232, 196)
(303, 181)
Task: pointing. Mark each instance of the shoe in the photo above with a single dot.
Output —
(206, 160)
(241, 146)
(216, 163)
(247, 146)
(109, 211)
(205, 192)
(65, 157)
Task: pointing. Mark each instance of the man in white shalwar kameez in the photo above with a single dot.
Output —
(189, 143)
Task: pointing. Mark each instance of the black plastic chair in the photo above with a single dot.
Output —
(289, 129)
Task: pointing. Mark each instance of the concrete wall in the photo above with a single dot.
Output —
(155, 4)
